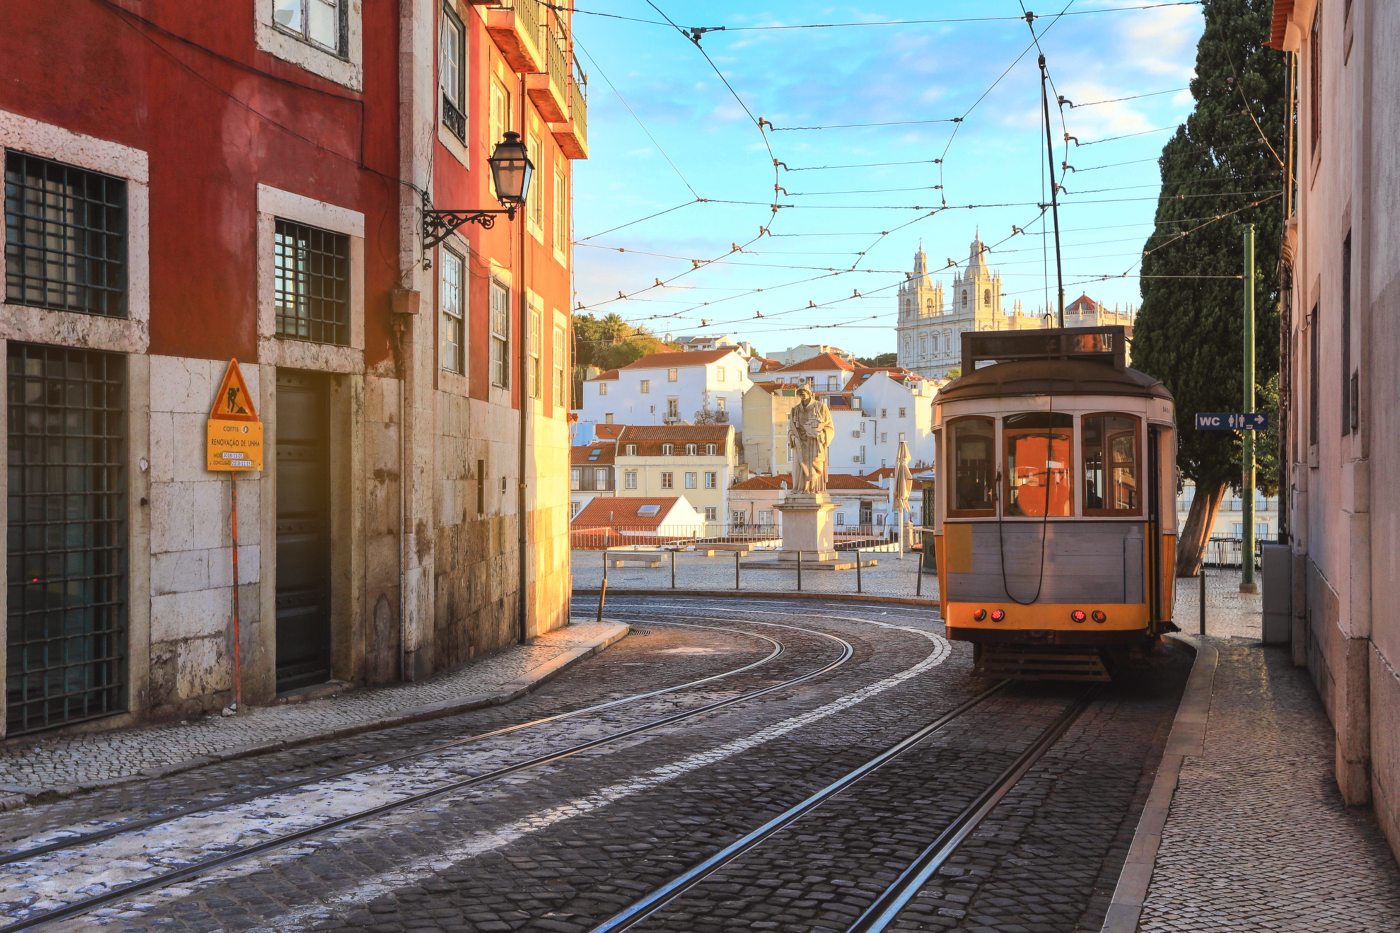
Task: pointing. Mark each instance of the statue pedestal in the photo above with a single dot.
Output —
(808, 526)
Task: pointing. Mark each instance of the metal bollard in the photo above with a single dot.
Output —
(673, 570)
(736, 570)
(919, 577)
(799, 571)
(1203, 599)
(605, 566)
(602, 597)
(858, 584)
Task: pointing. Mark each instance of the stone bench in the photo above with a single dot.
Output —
(645, 558)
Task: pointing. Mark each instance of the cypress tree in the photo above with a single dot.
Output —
(1189, 327)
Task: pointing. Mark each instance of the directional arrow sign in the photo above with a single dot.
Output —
(1231, 421)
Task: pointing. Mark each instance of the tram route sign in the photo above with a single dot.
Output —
(1231, 421)
(235, 432)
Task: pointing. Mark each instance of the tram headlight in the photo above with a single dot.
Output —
(998, 615)
(1100, 616)
(979, 615)
(1078, 615)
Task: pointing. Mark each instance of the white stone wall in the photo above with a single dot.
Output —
(191, 581)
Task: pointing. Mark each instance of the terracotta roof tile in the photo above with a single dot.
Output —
(607, 432)
(601, 453)
(649, 439)
(821, 361)
(682, 358)
(619, 511)
(784, 481)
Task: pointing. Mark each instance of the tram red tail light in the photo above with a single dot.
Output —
(1078, 615)
(979, 615)
(1100, 616)
(998, 615)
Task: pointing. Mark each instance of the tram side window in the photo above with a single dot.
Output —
(1110, 444)
(972, 451)
(1038, 469)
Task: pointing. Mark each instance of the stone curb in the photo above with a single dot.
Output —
(765, 594)
(13, 797)
(1186, 740)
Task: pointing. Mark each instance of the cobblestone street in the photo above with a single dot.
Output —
(465, 822)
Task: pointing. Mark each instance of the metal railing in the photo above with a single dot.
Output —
(558, 61)
(618, 537)
(578, 105)
(453, 118)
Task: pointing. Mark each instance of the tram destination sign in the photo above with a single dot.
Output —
(234, 439)
(1231, 421)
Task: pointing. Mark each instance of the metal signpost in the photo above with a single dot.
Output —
(233, 445)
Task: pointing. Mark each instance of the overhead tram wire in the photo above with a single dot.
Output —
(694, 39)
(659, 148)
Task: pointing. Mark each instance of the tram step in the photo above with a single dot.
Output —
(1042, 664)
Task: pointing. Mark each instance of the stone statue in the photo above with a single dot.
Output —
(810, 431)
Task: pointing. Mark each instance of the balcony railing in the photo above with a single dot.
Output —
(550, 90)
(572, 137)
(517, 28)
(454, 119)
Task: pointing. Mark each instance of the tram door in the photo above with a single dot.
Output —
(303, 530)
(1154, 522)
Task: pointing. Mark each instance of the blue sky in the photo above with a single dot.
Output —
(665, 131)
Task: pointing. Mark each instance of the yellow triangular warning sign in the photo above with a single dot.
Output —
(233, 402)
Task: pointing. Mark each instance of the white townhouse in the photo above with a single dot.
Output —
(670, 388)
(878, 409)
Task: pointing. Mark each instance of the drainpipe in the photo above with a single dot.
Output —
(522, 610)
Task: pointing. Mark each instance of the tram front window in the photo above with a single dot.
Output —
(972, 446)
(1110, 444)
(1038, 469)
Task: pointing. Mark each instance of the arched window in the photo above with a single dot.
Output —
(987, 297)
(928, 305)
(964, 298)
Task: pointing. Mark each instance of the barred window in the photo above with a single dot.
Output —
(65, 237)
(500, 334)
(454, 302)
(311, 283)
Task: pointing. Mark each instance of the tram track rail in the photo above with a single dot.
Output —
(206, 865)
(887, 906)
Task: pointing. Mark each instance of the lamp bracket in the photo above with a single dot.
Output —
(438, 225)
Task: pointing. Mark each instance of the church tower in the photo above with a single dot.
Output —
(920, 305)
(977, 292)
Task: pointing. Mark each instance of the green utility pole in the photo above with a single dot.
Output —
(1247, 584)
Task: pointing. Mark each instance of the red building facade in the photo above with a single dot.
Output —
(189, 183)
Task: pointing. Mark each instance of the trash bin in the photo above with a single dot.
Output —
(1277, 571)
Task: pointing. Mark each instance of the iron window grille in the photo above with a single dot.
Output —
(316, 22)
(67, 578)
(65, 237)
(311, 283)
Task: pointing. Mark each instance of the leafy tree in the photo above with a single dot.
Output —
(1189, 328)
(880, 360)
(608, 342)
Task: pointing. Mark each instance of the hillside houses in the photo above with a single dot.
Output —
(710, 426)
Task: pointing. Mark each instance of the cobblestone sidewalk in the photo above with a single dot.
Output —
(65, 764)
(1245, 828)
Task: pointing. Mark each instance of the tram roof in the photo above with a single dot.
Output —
(1053, 377)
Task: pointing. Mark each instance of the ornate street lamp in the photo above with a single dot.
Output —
(511, 170)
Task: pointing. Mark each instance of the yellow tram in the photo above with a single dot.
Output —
(1055, 526)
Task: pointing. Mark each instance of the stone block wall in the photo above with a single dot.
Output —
(191, 566)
